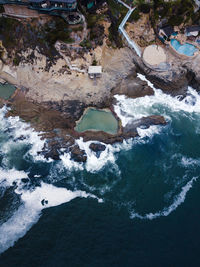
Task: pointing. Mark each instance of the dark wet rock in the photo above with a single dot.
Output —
(97, 147)
(44, 202)
(78, 154)
(53, 153)
(25, 180)
(20, 138)
(133, 87)
(172, 81)
(144, 122)
(102, 137)
(176, 84)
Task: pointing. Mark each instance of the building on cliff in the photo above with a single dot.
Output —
(95, 72)
(32, 8)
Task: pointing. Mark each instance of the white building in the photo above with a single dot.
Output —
(95, 71)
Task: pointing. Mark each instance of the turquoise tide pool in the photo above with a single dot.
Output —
(98, 120)
(185, 49)
(6, 91)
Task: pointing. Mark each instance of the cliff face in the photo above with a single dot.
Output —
(175, 80)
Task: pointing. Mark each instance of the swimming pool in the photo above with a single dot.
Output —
(185, 49)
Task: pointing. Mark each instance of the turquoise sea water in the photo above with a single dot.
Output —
(136, 205)
(185, 49)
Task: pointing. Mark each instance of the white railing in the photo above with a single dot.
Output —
(130, 42)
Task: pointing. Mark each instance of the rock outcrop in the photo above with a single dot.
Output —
(78, 154)
(133, 87)
(144, 122)
(97, 147)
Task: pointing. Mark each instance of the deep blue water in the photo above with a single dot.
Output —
(136, 205)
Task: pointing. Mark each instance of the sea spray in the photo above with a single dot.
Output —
(39, 195)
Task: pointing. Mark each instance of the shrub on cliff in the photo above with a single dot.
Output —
(144, 8)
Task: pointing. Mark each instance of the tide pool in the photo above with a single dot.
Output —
(97, 120)
(6, 90)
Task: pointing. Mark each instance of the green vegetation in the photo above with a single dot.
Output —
(78, 29)
(7, 26)
(1, 9)
(116, 14)
(16, 60)
(93, 19)
(18, 36)
(117, 10)
(135, 16)
(86, 43)
(176, 12)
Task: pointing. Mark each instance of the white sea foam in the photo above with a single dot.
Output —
(128, 109)
(33, 202)
(149, 132)
(21, 132)
(189, 162)
(108, 156)
(71, 164)
(178, 200)
(31, 137)
(7, 177)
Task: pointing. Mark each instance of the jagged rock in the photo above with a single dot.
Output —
(172, 81)
(53, 153)
(77, 154)
(145, 122)
(97, 147)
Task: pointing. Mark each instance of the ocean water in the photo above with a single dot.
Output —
(137, 204)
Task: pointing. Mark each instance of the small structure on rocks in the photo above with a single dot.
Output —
(95, 72)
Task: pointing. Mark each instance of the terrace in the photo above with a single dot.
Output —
(42, 6)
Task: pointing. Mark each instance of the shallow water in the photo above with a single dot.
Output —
(6, 91)
(137, 204)
(98, 120)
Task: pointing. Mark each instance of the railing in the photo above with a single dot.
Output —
(130, 42)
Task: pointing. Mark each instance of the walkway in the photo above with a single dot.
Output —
(130, 42)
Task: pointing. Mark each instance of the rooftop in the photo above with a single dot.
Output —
(168, 30)
(94, 69)
(194, 28)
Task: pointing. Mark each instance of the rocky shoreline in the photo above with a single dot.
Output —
(56, 121)
(56, 117)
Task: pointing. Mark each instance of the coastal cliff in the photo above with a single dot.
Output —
(52, 96)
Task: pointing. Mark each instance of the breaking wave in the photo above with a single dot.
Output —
(178, 200)
(33, 201)
(36, 194)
